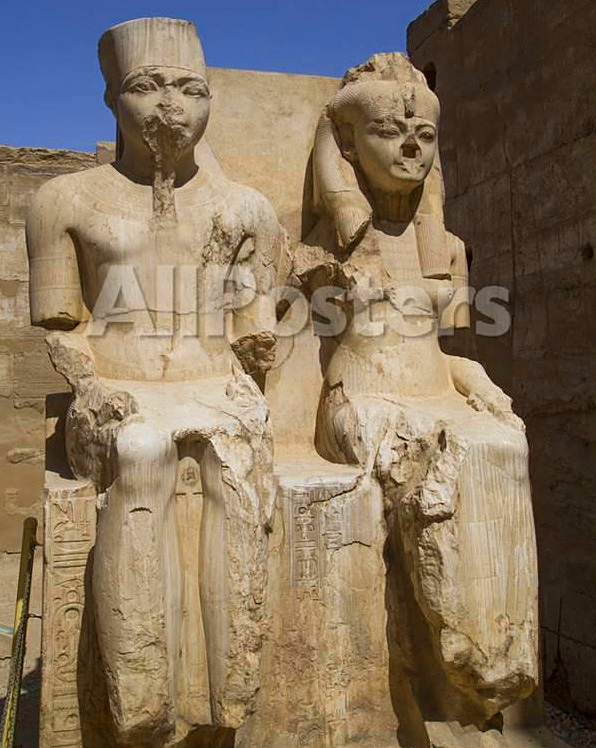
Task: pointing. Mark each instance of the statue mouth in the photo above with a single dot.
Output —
(409, 168)
(173, 120)
(166, 136)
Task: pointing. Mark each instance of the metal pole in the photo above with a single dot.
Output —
(19, 640)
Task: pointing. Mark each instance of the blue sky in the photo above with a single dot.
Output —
(52, 88)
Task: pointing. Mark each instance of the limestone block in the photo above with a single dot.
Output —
(277, 139)
(487, 206)
(13, 254)
(105, 152)
(4, 185)
(34, 378)
(554, 386)
(531, 335)
(562, 181)
(6, 372)
(441, 14)
(7, 305)
(325, 670)
(489, 159)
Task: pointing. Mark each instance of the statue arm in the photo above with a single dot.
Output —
(253, 324)
(471, 380)
(457, 313)
(55, 291)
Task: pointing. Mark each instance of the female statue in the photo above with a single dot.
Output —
(439, 436)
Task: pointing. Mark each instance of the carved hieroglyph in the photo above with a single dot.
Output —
(69, 526)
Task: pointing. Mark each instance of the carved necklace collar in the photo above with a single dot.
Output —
(394, 206)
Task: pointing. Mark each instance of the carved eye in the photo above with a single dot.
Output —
(143, 86)
(194, 89)
(385, 130)
(427, 136)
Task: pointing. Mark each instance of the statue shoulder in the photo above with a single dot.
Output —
(54, 193)
(58, 194)
(255, 209)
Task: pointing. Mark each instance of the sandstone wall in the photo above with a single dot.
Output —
(26, 376)
(517, 83)
(261, 129)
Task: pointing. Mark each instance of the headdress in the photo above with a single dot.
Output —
(336, 189)
(164, 42)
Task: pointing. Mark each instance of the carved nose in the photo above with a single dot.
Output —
(167, 97)
(410, 148)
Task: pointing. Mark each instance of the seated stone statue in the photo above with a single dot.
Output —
(433, 430)
(129, 264)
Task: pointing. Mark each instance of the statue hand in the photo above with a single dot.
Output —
(482, 394)
(256, 351)
(71, 356)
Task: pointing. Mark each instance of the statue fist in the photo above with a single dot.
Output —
(256, 352)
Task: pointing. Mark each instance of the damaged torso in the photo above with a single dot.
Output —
(157, 294)
(386, 339)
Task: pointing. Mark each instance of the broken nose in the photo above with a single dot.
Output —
(410, 148)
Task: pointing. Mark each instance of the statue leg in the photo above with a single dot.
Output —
(232, 580)
(135, 588)
(458, 512)
(467, 531)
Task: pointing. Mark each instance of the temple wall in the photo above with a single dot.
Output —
(261, 129)
(517, 83)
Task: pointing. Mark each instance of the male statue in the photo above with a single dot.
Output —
(127, 264)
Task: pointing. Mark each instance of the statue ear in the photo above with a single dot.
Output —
(109, 101)
(347, 142)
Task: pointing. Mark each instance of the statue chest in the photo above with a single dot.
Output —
(384, 260)
(192, 250)
(386, 267)
(118, 240)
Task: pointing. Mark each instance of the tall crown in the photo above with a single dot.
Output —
(165, 42)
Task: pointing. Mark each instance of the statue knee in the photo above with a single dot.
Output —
(140, 442)
(145, 456)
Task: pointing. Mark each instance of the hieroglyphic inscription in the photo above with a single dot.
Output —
(316, 529)
(69, 535)
(193, 683)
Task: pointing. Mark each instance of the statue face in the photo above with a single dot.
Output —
(395, 151)
(164, 109)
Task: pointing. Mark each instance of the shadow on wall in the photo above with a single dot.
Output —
(27, 733)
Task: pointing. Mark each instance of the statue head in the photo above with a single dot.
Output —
(386, 119)
(156, 84)
(377, 135)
